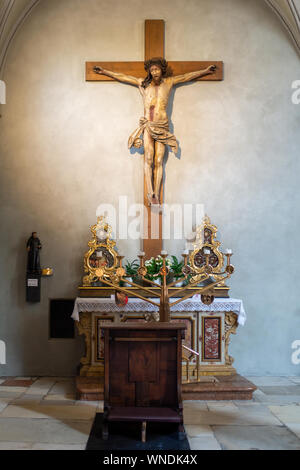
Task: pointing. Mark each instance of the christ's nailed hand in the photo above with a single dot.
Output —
(212, 68)
(98, 69)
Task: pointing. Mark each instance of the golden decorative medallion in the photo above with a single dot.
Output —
(101, 259)
(206, 241)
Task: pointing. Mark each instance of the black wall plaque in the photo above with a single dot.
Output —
(33, 288)
(61, 323)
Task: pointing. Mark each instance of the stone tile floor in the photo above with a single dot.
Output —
(39, 413)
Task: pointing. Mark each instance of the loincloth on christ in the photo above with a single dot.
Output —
(158, 130)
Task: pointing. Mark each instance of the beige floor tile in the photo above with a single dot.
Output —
(27, 399)
(256, 438)
(13, 389)
(286, 413)
(11, 395)
(45, 446)
(42, 384)
(294, 427)
(280, 400)
(38, 411)
(295, 380)
(270, 381)
(36, 391)
(4, 402)
(88, 403)
(62, 388)
(204, 443)
(45, 430)
(245, 402)
(243, 418)
(222, 406)
(15, 445)
(198, 430)
(195, 404)
(57, 402)
(60, 397)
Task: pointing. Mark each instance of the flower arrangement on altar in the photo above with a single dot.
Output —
(154, 265)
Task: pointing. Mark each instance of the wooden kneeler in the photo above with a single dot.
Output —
(142, 375)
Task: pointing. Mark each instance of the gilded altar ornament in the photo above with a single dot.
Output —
(206, 246)
(231, 324)
(208, 274)
(101, 259)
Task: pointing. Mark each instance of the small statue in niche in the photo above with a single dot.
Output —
(33, 260)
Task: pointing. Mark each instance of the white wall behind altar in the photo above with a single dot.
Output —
(63, 149)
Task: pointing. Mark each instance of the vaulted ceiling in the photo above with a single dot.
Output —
(14, 12)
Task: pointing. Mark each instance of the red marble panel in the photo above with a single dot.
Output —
(211, 337)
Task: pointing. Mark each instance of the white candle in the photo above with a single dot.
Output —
(228, 252)
(142, 253)
(206, 251)
(186, 252)
(163, 252)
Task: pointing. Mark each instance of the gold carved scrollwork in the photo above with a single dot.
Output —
(101, 254)
(231, 325)
(206, 239)
(151, 316)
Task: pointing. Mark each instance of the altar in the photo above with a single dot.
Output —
(207, 338)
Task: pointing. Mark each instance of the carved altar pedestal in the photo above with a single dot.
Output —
(208, 330)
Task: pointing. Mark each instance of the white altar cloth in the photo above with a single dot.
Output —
(193, 304)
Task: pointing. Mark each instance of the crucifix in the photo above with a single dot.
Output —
(154, 126)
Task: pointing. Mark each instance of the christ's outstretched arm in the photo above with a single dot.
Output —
(121, 77)
(187, 77)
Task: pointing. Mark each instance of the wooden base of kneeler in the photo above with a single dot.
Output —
(127, 436)
(141, 416)
(233, 387)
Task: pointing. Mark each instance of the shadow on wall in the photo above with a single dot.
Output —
(18, 281)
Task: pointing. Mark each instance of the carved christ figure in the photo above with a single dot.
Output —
(154, 126)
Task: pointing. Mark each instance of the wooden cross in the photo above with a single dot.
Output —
(154, 47)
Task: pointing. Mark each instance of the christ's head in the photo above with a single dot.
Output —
(157, 69)
(156, 74)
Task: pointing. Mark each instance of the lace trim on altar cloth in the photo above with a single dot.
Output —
(135, 305)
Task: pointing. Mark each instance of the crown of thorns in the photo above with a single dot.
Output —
(159, 61)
